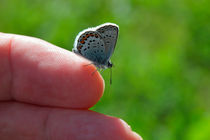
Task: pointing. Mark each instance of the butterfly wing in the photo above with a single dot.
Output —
(90, 45)
(109, 33)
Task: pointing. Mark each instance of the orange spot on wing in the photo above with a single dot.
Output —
(79, 47)
(86, 36)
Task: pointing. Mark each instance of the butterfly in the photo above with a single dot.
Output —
(97, 44)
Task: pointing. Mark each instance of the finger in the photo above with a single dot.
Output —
(17, 122)
(37, 72)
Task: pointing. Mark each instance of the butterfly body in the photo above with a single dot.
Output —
(97, 44)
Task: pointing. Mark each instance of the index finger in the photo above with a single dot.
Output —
(37, 72)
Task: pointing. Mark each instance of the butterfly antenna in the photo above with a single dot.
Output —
(110, 76)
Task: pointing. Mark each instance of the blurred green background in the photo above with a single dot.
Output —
(161, 78)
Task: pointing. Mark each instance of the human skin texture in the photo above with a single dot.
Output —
(45, 94)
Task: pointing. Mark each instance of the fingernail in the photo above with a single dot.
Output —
(135, 135)
(125, 124)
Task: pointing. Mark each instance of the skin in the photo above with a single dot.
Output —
(45, 93)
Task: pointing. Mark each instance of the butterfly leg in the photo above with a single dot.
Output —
(102, 70)
(95, 71)
(89, 64)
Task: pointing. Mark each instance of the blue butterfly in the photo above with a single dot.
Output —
(97, 44)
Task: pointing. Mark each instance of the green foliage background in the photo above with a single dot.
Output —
(161, 78)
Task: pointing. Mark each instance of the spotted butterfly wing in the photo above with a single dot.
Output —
(109, 33)
(97, 44)
(90, 45)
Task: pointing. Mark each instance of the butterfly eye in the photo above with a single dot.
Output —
(110, 64)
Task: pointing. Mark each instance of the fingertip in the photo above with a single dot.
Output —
(90, 82)
(89, 125)
(45, 74)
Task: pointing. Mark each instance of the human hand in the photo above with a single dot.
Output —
(45, 93)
